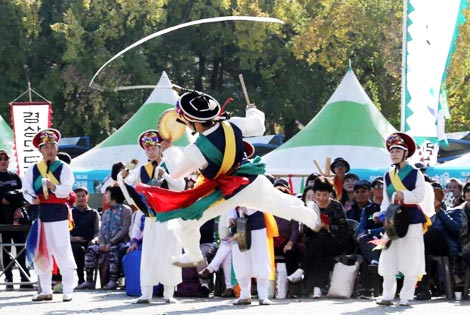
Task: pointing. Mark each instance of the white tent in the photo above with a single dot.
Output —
(457, 168)
(92, 167)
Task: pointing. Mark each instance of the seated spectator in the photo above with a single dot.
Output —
(286, 251)
(208, 248)
(441, 238)
(308, 194)
(370, 229)
(340, 167)
(223, 256)
(347, 197)
(311, 179)
(464, 238)
(112, 237)
(453, 193)
(85, 231)
(361, 199)
(377, 190)
(323, 246)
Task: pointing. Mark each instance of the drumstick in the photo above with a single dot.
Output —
(244, 89)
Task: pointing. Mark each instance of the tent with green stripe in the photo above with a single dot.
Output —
(94, 165)
(348, 126)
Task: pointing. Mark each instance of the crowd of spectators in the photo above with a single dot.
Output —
(349, 208)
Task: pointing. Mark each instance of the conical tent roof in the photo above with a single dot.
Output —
(348, 126)
(122, 145)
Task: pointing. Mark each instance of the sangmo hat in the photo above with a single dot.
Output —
(46, 136)
(402, 141)
(149, 138)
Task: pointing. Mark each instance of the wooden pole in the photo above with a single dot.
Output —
(319, 168)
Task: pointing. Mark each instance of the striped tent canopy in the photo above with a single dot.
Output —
(94, 165)
(348, 126)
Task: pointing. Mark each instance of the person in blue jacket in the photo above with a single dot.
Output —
(441, 239)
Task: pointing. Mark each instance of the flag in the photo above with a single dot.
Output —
(36, 246)
(431, 30)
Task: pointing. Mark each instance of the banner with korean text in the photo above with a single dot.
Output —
(27, 119)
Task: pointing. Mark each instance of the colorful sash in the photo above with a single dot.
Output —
(191, 204)
(149, 171)
(399, 186)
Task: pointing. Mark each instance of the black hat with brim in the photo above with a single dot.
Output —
(340, 159)
(199, 107)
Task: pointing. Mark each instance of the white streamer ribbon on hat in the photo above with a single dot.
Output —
(183, 25)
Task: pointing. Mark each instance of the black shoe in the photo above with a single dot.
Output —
(26, 286)
(9, 287)
(204, 292)
(373, 269)
(365, 294)
(423, 296)
(384, 302)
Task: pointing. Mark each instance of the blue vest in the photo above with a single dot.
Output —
(409, 181)
(217, 138)
(50, 212)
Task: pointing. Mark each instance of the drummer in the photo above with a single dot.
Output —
(404, 184)
(230, 179)
(254, 262)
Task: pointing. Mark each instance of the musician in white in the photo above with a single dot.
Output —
(254, 262)
(48, 183)
(159, 243)
(404, 184)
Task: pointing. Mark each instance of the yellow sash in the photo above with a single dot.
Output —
(42, 167)
(399, 186)
(230, 148)
(149, 168)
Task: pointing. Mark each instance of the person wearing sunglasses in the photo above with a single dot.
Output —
(11, 213)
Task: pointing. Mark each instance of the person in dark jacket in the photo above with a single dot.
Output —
(11, 202)
(361, 199)
(329, 242)
(441, 239)
(86, 228)
(370, 229)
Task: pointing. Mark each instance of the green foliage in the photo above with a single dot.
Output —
(290, 70)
